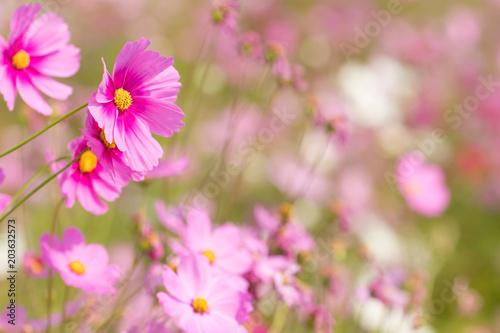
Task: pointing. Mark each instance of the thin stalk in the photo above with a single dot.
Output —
(22, 143)
(33, 178)
(50, 281)
(29, 195)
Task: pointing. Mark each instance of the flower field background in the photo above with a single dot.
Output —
(253, 166)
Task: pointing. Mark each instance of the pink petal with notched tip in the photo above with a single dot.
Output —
(163, 118)
(23, 17)
(48, 34)
(125, 58)
(164, 86)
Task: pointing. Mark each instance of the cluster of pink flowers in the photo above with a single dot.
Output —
(324, 137)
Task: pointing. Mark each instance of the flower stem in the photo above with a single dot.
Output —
(32, 179)
(45, 182)
(22, 143)
(51, 274)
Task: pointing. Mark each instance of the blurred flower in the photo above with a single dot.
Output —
(137, 101)
(168, 168)
(287, 287)
(250, 44)
(81, 265)
(224, 14)
(150, 242)
(222, 246)
(35, 265)
(276, 55)
(87, 179)
(329, 113)
(387, 288)
(170, 217)
(422, 185)
(284, 229)
(36, 50)
(202, 300)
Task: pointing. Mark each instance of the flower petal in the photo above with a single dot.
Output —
(105, 115)
(8, 85)
(133, 137)
(46, 35)
(162, 117)
(126, 56)
(106, 91)
(30, 95)
(50, 87)
(64, 63)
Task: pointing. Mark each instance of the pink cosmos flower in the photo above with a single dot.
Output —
(222, 246)
(388, 289)
(290, 236)
(329, 112)
(80, 265)
(87, 179)
(35, 265)
(150, 242)
(201, 299)
(137, 101)
(422, 185)
(224, 14)
(110, 157)
(276, 55)
(250, 44)
(287, 287)
(36, 50)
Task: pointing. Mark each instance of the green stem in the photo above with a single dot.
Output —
(22, 143)
(41, 185)
(33, 178)
(50, 281)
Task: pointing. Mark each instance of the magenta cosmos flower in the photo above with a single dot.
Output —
(36, 50)
(81, 265)
(108, 155)
(203, 300)
(222, 246)
(137, 101)
(422, 185)
(87, 179)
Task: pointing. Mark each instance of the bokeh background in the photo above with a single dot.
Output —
(397, 87)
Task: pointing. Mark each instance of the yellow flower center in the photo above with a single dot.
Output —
(21, 60)
(210, 255)
(36, 266)
(122, 100)
(285, 212)
(77, 267)
(173, 266)
(106, 143)
(200, 305)
(88, 162)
